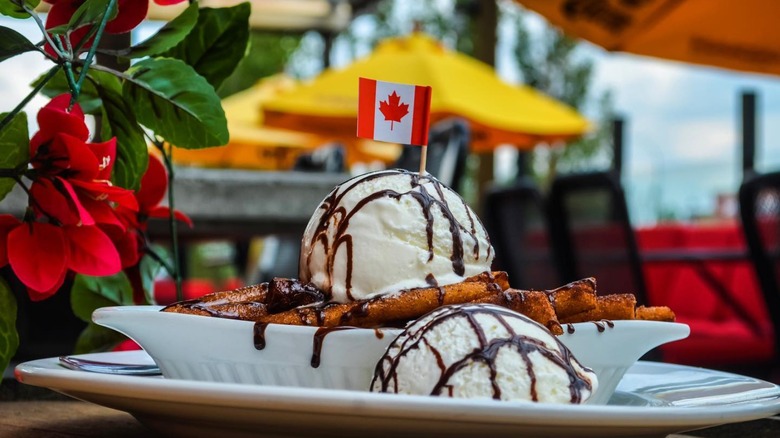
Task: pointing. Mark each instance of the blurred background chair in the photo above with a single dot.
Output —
(759, 201)
(280, 252)
(744, 342)
(591, 228)
(448, 148)
(518, 225)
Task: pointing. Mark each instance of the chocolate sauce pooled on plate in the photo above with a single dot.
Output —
(386, 376)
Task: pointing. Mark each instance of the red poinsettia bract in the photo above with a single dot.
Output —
(71, 197)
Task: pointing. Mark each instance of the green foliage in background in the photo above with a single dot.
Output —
(550, 62)
(267, 55)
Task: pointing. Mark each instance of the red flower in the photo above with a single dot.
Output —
(69, 171)
(41, 254)
(56, 199)
(38, 255)
(73, 204)
(56, 118)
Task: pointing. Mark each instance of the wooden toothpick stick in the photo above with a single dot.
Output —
(423, 159)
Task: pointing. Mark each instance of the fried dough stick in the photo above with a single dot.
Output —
(612, 307)
(533, 304)
(573, 298)
(655, 313)
(242, 303)
(408, 305)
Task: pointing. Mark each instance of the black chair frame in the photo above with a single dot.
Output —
(561, 228)
(526, 192)
(763, 259)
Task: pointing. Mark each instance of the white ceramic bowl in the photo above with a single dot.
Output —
(223, 350)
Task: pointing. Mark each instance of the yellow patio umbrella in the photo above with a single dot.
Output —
(739, 35)
(498, 112)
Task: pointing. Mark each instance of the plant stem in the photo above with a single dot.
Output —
(116, 73)
(168, 157)
(91, 54)
(7, 119)
(41, 26)
(10, 172)
(176, 272)
(68, 67)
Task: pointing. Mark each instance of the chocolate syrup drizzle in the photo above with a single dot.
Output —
(317, 340)
(601, 326)
(386, 373)
(420, 193)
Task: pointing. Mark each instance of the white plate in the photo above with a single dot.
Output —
(199, 348)
(653, 399)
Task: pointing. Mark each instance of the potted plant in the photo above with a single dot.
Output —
(82, 236)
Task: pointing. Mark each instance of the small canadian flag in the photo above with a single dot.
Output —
(396, 113)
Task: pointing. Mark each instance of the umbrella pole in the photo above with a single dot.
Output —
(423, 159)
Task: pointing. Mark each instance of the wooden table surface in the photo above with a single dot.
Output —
(77, 419)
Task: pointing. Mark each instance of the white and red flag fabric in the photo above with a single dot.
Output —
(396, 113)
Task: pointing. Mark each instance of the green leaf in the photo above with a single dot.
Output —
(168, 36)
(95, 338)
(172, 100)
(88, 98)
(90, 12)
(120, 122)
(13, 8)
(217, 43)
(14, 149)
(90, 293)
(13, 43)
(9, 338)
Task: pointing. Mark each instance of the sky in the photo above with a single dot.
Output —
(682, 135)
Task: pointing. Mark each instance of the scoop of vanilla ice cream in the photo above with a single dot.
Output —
(482, 351)
(389, 231)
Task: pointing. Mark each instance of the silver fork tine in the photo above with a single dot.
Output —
(94, 366)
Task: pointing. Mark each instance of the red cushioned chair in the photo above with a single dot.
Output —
(590, 219)
(759, 202)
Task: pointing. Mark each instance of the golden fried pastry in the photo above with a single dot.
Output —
(612, 307)
(251, 302)
(500, 278)
(377, 311)
(533, 304)
(576, 297)
(242, 303)
(288, 301)
(655, 313)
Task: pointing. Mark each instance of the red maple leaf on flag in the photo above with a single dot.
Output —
(393, 109)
